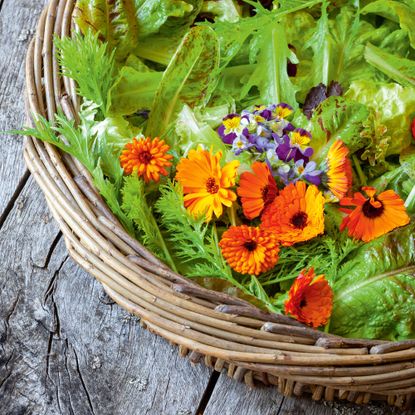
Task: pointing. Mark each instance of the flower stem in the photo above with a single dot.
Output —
(359, 170)
(232, 215)
(410, 200)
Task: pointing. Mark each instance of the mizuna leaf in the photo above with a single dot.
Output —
(375, 291)
(189, 78)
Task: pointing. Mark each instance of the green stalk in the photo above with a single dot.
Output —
(162, 242)
(410, 200)
(359, 170)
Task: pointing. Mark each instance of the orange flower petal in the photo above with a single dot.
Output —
(249, 250)
(310, 299)
(205, 183)
(296, 215)
(373, 216)
(148, 158)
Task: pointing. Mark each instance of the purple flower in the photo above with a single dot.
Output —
(308, 171)
(293, 146)
(240, 144)
(231, 128)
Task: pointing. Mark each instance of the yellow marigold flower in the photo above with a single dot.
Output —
(205, 183)
(296, 215)
(249, 250)
(148, 158)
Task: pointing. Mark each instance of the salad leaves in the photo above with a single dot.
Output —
(374, 293)
(176, 69)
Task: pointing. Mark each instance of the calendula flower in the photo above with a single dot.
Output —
(338, 170)
(249, 250)
(373, 215)
(206, 184)
(146, 157)
(256, 190)
(310, 299)
(296, 214)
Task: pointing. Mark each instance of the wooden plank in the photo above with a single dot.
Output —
(65, 347)
(17, 24)
(230, 397)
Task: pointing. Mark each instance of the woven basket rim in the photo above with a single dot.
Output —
(223, 331)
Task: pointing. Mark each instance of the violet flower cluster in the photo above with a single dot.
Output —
(268, 135)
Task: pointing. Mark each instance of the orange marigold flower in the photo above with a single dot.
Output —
(339, 169)
(373, 215)
(296, 214)
(205, 183)
(249, 250)
(310, 299)
(148, 158)
(257, 190)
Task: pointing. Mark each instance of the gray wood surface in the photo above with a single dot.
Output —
(65, 348)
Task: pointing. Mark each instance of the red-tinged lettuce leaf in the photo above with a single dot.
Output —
(115, 22)
(189, 78)
(375, 291)
(337, 118)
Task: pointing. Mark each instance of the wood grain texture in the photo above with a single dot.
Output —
(65, 348)
(230, 398)
(17, 24)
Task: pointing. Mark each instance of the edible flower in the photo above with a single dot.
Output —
(294, 146)
(373, 215)
(231, 128)
(338, 170)
(206, 184)
(310, 299)
(148, 158)
(296, 214)
(249, 250)
(256, 190)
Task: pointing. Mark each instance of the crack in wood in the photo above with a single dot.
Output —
(52, 250)
(207, 393)
(9, 207)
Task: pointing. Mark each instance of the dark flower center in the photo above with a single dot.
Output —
(211, 186)
(299, 220)
(145, 157)
(303, 303)
(265, 193)
(371, 211)
(250, 245)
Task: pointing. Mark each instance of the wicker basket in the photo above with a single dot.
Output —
(226, 333)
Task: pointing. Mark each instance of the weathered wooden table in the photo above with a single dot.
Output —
(65, 348)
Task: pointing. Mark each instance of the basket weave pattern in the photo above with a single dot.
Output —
(226, 333)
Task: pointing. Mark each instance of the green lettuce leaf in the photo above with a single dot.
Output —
(375, 291)
(396, 11)
(189, 78)
(132, 91)
(270, 75)
(394, 107)
(399, 69)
